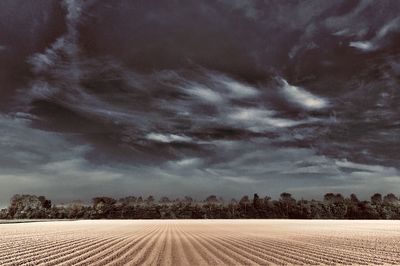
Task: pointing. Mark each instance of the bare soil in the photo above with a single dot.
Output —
(200, 242)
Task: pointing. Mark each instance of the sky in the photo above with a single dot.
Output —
(226, 97)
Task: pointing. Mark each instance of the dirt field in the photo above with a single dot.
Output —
(202, 242)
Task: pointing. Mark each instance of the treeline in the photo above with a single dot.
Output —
(333, 206)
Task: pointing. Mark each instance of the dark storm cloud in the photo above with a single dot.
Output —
(216, 97)
(26, 27)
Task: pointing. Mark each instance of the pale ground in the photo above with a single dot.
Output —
(200, 242)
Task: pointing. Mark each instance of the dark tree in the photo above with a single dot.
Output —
(390, 199)
(287, 202)
(140, 200)
(329, 197)
(150, 200)
(334, 206)
(376, 199)
(212, 199)
(256, 201)
(128, 201)
(354, 199)
(244, 203)
(187, 200)
(29, 207)
(46, 204)
(165, 200)
(103, 207)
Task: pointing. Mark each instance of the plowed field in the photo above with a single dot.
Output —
(200, 242)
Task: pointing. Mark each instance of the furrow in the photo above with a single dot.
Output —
(48, 258)
(117, 256)
(265, 254)
(283, 248)
(73, 257)
(250, 254)
(346, 255)
(189, 254)
(146, 251)
(96, 253)
(225, 254)
(159, 250)
(382, 255)
(37, 255)
(205, 252)
(276, 248)
(35, 248)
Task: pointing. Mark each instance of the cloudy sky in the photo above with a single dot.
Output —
(175, 98)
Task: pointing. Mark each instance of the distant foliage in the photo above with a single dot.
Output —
(333, 206)
(28, 207)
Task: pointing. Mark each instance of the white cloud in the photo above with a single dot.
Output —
(366, 167)
(42, 62)
(393, 25)
(230, 87)
(302, 97)
(315, 164)
(188, 162)
(374, 43)
(363, 45)
(74, 9)
(41, 90)
(258, 120)
(204, 93)
(343, 32)
(237, 89)
(167, 138)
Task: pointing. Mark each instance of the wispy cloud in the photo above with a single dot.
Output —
(189, 163)
(240, 90)
(376, 42)
(301, 97)
(233, 88)
(258, 120)
(167, 138)
(358, 167)
(194, 107)
(363, 45)
(204, 93)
